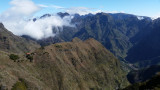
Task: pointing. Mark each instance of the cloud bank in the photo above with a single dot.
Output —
(16, 20)
(19, 9)
(81, 10)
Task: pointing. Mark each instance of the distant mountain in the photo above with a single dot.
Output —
(129, 37)
(144, 79)
(142, 75)
(117, 32)
(152, 84)
(82, 65)
(147, 51)
(14, 44)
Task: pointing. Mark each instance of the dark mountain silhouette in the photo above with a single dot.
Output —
(147, 51)
(142, 75)
(144, 79)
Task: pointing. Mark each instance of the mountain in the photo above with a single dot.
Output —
(147, 51)
(117, 32)
(142, 75)
(131, 38)
(152, 84)
(144, 79)
(80, 65)
(14, 44)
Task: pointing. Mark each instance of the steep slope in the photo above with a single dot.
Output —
(13, 72)
(64, 66)
(79, 65)
(131, 38)
(144, 79)
(142, 75)
(152, 84)
(147, 51)
(11, 43)
(118, 34)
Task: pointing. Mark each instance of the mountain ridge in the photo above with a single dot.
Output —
(119, 33)
(69, 65)
(15, 44)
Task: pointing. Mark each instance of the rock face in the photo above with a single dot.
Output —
(11, 43)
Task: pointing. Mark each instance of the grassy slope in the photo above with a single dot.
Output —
(81, 65)
(72, 65)
(11, 43)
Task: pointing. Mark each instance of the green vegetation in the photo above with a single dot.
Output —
(58, 46)
(97, 68)
(30, 57)
(15, 44)
(42, 47)
(20, 85)
(152, 84)
(142, 75)
(14, 57)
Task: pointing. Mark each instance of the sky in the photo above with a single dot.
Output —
(138, 7)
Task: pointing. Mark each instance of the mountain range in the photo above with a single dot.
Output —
(80, 65)
(94, 54)
(127, 36)
(144, 79)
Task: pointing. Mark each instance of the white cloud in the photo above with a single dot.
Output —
(19, 10)
(16, 20)
(43, 6)
(81, 10)
(24, 7)
(57, 7)
(42, 28)
(74, 10)
(140, 17)
(156, 16)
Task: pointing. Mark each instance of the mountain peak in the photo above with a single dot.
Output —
(76, 39)
(63, 14)
(1, 25)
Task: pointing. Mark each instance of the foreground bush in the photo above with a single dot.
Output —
(13, 57)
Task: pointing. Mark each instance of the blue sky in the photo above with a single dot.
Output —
(138, 7)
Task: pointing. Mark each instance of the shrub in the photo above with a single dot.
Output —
(30, 57)
(13, 57)
(42, 47)
(58, 46)
(2, 87)
(19, 86)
